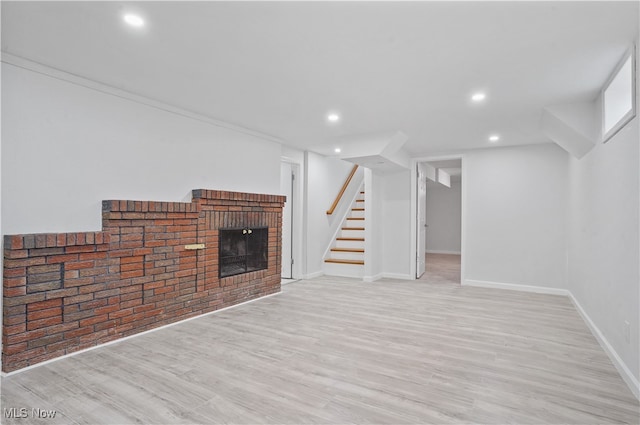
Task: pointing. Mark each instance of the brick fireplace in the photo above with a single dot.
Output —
(152, 264)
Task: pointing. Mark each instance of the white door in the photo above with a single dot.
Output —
(422, 219)
(286, 189)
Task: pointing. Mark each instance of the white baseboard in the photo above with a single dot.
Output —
(401, 276)
(373, 278)
(625, 373)
(313, 275)
(116, 341)
(435, 251)
(515, 287)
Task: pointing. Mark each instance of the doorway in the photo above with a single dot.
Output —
(439, 221)
(289, 188)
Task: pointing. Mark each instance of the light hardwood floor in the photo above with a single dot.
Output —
(339, 351)
(442, 268)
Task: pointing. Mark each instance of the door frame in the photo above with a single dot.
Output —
(296, 215)
(414, 211)
(421, 227)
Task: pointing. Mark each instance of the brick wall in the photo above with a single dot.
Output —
(63, 292)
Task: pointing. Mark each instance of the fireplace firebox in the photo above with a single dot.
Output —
(242, 250)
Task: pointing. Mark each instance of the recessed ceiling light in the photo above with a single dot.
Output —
(337, 150)
(478, 97)
(134, 20)
(494, 138)
(333, 117)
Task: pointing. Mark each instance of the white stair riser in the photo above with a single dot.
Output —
(359, 214)
(340, 255)
(354, 223)
(350, 244)
(345, 270)
(352, 233)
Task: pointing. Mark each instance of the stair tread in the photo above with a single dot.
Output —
(355, 218)
(350, 239)
(353, 228)
(348, 250)
(334, 260)
(357, 209)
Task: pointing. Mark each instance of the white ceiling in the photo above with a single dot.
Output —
(279, 67)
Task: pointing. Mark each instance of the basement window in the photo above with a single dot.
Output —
(618, 97)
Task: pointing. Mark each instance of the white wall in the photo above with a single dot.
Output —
(514, 212)
(603, 240)
(444, 218)
(324, 178)
(374, 233)
(396, 224)
(67, 147)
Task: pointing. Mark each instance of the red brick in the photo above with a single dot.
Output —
(120, 253)
(21, 253)
(80, 249)
(107, 309)
(14, 349)
(14, 320)
(133, 259)
(133, 266)
(78, 332)
(17, 272)
(43, 323)
(62, 258)
(15, 291)
(83, 281)
(43, 314)
(93, 320)
(130, 274)
(12, 282)
(92, 256)
(79, 265)
(78, 299)
(131, 303)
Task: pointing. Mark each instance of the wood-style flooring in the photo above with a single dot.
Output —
(341, 351)
(442, 268)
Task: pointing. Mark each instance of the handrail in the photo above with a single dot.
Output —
(344, 187)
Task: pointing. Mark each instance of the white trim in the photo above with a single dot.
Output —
(39, 68)
(619, 364)
(75, 353)
(402, 276)
(373, 278)
(630, 115)
(436, 251)
(313, 275)
(463, 220)
(298, 219)
(413, 217)
(515, 287)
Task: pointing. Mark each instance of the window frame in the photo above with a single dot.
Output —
(626, 118)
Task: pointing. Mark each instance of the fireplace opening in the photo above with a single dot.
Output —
(242, 250)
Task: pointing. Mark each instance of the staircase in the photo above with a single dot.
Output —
(346, 255)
